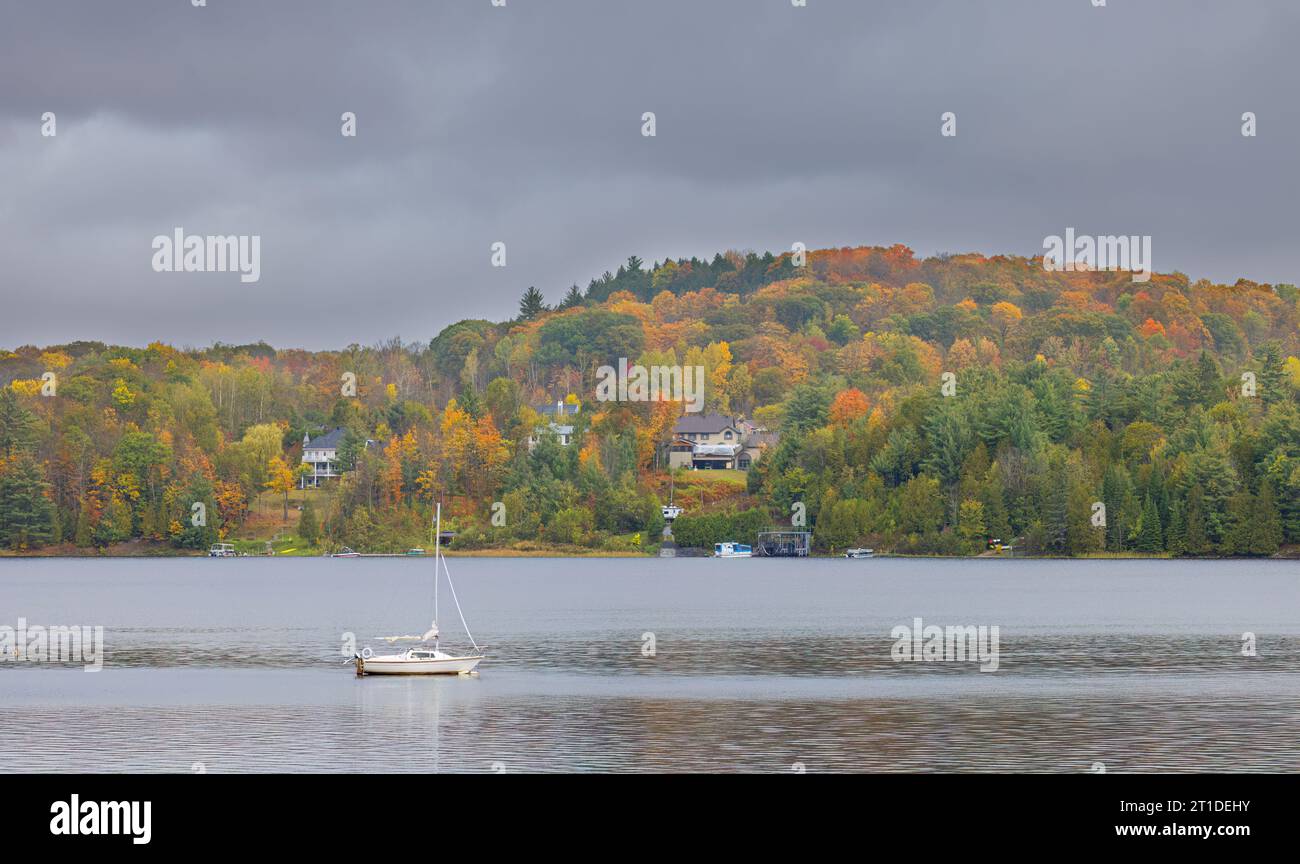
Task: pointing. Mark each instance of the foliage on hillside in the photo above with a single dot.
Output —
(1070, 388)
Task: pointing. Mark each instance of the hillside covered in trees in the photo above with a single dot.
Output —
(1171, 402)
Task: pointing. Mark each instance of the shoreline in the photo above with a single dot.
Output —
(1290, 555)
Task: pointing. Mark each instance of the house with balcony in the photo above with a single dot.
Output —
(322, 454)
(711, 441)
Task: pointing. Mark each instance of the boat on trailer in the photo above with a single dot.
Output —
(427, 659)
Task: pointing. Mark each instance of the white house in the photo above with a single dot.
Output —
(556, 414)
(322, 453)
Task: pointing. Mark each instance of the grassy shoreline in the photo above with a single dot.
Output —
(161, 550)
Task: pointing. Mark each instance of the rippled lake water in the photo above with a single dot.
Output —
(759, 666)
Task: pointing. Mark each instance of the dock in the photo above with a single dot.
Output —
(783, 543)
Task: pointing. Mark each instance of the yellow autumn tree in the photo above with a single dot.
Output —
(280, 479)
(1006, 315)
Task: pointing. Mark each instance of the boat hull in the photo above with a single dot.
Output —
(403, 666)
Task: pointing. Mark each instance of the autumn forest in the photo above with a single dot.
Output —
(917, 406)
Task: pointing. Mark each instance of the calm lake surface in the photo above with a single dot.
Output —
(759, 666)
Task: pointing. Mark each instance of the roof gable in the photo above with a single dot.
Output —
(328, 441)
(708, 424)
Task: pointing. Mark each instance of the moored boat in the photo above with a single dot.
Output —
(426, 659)
(418, 661)
(732, 550)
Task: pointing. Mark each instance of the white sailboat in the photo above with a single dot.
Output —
(426, 660)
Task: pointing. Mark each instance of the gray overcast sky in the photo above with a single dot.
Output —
(523, 124)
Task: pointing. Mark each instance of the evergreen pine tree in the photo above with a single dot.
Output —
(26, 512)
(996, 522)
(1237, 535)
(1116, 493)
(1266, 522)
(1056, 510)
(531, 304)
(1198, 541)
(17, 424)
(1272, 377)
(573, 298)
(1209, 380)
(1149, 537)
(1176, 537)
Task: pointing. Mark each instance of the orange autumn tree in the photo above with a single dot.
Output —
(489, 455)
(232, 502)
(400, 467)
(848, 406)
(1151, 327)
(656, 431)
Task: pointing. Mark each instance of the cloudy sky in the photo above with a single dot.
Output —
(522, 124)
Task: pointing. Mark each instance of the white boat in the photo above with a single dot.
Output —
(222, 550)
(860, 553)
(425, 660)
(670, 510)
(732, 550)
(345, 552)
(418, 661)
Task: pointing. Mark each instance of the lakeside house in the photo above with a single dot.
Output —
(713, 441)
(322, 454)
(555, 421)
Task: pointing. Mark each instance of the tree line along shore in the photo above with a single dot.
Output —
(916, 406)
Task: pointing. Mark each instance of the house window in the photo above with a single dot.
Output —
(727, 435)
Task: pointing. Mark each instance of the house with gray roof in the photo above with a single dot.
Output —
(716, 441)
(322, 454)
(555, 415)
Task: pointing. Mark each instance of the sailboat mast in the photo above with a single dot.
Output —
(437, 557)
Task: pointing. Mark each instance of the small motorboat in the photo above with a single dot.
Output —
(222, 550)
(732, 550)
(860, 553)
(345, 552)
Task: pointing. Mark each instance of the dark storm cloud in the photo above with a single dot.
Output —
(522, 124)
